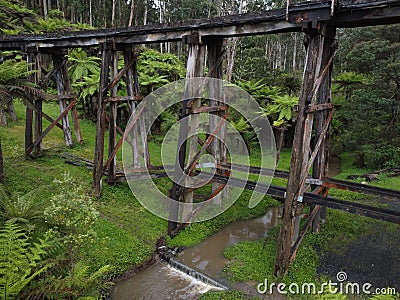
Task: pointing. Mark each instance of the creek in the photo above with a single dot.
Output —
(199, 269)
(168, 281)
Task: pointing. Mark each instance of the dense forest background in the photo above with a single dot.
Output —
(56, 242)
(366, 88)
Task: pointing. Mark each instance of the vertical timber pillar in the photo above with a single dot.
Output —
(68, 93)
(215, 50)
(316, 69)
(195, 68)
(38, 126)
(132, 91)
(112, 123)
(59, 61)
(320, 165)
(29, 110)
(101, 120)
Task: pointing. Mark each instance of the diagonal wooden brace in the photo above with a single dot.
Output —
(206, 144)
(50, 127)
(124, 136)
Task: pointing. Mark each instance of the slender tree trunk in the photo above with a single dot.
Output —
(90, 13)
(231, 54)
(294, 52)
(105, 13)
(145, 13)
(113, 13)
(285, 57)
(2, 177)
(131, 13)
(45, 9)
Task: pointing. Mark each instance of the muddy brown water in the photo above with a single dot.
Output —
(161, 281)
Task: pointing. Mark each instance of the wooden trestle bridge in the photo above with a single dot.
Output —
(317, 20)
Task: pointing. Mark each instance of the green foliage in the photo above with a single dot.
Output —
(19, 259)
(385, 296)
(350, 78)
(13, 82)
(367, 96)
(281, 109)
(225, 295)
(78, 282)
(15, 18)
(82, 65)
(241, 125)
(156, 69)
(71, 215)
(24, 209)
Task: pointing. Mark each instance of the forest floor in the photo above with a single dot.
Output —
(126, 233)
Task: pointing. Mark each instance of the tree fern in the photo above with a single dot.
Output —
(18, 260)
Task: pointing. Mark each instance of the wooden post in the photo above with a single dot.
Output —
(62, 97)
(215, 59)
(29, 111)
(68, 91)
(195, 68)
(101, 121)
(320, 165)
(131, 91)
(112, 123)
(38, 127)
(300, 152)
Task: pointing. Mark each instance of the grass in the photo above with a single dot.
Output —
(253, 261)
(126, 233)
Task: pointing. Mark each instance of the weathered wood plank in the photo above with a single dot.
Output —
(112, 123)
(57, 61)
(129, 60)
(300, 153)
(195, 68)
(266, 22)
(39, 139)
(101, 122)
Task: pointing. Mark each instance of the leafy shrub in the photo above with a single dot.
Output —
(378, 156)
(24, 209)
(71, 214)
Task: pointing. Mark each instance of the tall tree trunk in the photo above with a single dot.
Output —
(105, 13)
(294, 52)
(45, 9)
(145, 12)
(113, 13)
(231, 53)
(90, 13)
(131, 13)
(2, 177)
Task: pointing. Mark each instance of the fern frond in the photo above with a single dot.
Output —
(18, 259)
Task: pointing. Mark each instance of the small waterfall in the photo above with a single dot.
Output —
(195, 274)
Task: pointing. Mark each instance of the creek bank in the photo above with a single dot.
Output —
(168, 282)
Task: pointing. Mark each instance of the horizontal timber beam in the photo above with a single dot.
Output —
(265, 22)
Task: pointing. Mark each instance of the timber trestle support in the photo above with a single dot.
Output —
(34, 132)
(205, 44)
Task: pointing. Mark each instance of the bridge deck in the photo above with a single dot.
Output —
(266, 22)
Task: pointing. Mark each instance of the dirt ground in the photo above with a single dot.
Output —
(372, 258)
